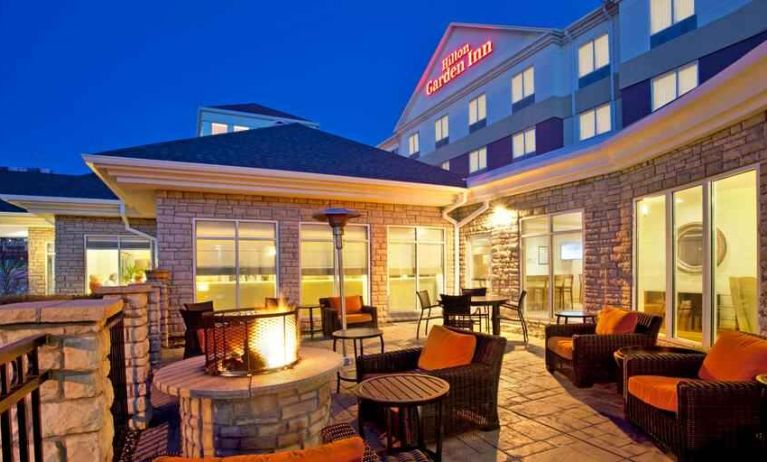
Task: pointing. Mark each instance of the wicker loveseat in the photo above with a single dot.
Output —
(331, 319)
(591, 355)
(473, 398)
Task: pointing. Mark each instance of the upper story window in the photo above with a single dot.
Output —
(413, 144)
(595, 121)
(445, 165)
(523, 143)
(593, 55)
(670, 86)
(217, 128)
(523, 85)
(477, 112)
(477, 160)
(666, 13)
(441, 131)
(241, 128)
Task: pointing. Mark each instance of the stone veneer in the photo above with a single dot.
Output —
(607, 205)
(76, 419)
(160, 280)
(175, 237)
(37, 256)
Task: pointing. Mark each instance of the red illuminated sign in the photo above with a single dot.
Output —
(456, 64)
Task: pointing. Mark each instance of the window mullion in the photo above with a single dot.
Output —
(237, 264)
(670, 258)
(708, 267)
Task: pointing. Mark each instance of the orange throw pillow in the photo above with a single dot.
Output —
(345, 450)
(445, 348)
(735, 356)
(353, 303)
(616, 321)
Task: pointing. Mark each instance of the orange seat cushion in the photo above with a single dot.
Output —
(445, 348)
(735, 356)
(562, 346)
(616, 321)
(345, 450)
(656, 390)
(358, 318)
(353, 303)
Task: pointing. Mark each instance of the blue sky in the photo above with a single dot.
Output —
(87, 76)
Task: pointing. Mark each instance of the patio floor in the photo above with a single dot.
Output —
(543, 417)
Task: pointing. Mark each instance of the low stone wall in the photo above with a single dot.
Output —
(160, 281)
(76, 419)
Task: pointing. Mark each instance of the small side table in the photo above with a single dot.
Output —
(407, 392)
(621, 354)
(357, 335)
(567, 315)
(310, 309)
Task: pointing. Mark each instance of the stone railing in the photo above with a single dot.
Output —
(159, 279)
(76, 419)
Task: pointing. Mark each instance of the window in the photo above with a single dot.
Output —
(441, 131)
(668, 87)
(217, 128)
(50, 268)
(552, 265)
(445, 165)
(416, 258)
(665, 13)
(480, 262)
(235, 262)
(523, 143)
(318, 262)
(412, 142)
(594, 122)
(116, 260)
(523, 85)
(241, 128)
(477, 160)
(477, 110)
(593, 55)
(710, 232)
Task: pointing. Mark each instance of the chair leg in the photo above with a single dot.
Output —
(428, 318)
(524, 326)
(418, 326)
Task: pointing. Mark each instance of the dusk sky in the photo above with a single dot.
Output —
(87, 76)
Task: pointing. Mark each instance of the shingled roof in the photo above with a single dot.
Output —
(294, 147)
(34, 182)
(253, 108)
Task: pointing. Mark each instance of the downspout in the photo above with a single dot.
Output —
(457, 225)
(152, 239)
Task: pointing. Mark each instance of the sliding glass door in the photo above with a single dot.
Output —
(416, 262)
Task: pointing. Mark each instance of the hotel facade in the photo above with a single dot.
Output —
(618, 161)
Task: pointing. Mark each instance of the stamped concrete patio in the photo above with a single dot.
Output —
(543, 417)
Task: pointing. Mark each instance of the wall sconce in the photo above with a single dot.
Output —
(502, 217)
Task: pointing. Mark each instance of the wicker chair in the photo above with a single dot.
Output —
(426, 306)
(340, 431)
(473, 398)
(331, 319)
(517, 312)
(483, 311)
(456, 312)
(192, 315)
(714, 418)
(592, 354)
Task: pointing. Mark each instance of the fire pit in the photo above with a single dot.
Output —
(247, 342)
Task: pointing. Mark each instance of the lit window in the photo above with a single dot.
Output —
(217, 128)
(445, 165)
(241, 128)
(665, 13)
(523, 143)
(668, 87)
(413, 144)
(477, 160)
(477, 109)
(595, 122)
(593, 55)
(523, 85)
(116, 260)
(441, 129)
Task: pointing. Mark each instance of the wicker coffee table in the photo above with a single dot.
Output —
(406, 392)
(621, 354)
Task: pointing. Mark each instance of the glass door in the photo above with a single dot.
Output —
(690, 258)
(416, 262)
(480, 261)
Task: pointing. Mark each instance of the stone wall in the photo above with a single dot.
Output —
(159, 328)
(607, 205)
(70, 246)
(37, 256)
(75, 412)
(175, 236)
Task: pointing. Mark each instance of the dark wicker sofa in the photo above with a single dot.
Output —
(473, 398)
(714, 418)
(592, 354)
(331, 320)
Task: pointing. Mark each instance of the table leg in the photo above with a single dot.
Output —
(496, 319)
(419, 422)
(382, 343)
(360, 427)
(389, 426)
(311, 322)
(438, 454)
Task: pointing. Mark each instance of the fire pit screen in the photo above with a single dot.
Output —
(247, 342)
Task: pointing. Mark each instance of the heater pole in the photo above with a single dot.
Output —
(338, 233)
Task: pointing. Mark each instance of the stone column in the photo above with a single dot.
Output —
(160, 281)
(137, 351)
(76, 419)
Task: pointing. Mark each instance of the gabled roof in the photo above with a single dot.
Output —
(10, 208)
(253, 108)
(293, 148)
(34, 182)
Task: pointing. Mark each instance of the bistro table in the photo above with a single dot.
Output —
(310, 309)
(494, 301)
(567, 315)
(406, 392)
(356, 335)
(621, 354)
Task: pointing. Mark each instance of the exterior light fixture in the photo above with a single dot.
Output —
(502, 217)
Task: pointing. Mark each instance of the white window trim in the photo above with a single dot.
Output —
(441, 128)
(593, 44)
(240, 128)
(413, 141)
(481, 154)
(476, 113)
(445, 165)
(594, 111)
(119, 249)
(521, 75)
(219, 124)
(674, 72)
(525, 152)
(672, 13)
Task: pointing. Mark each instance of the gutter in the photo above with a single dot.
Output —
(457, 225)
(152, 239)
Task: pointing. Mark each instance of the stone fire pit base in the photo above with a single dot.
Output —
(223, 416)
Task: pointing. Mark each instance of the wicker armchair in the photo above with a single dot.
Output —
(473, 398)
(337, 432)
(713, 417)
(592, 355)
(331, 320)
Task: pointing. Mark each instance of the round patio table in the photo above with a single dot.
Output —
(356, 335)
(310, 309)
(406, 392)
(494, 301)
(567, 315)
(621, 354)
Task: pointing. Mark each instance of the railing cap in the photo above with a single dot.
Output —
(60, 311)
